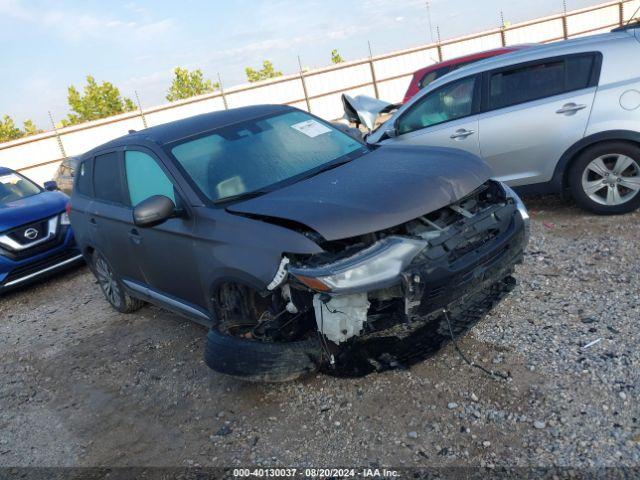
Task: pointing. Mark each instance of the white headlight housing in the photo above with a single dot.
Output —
(64, 219)
(378, 266)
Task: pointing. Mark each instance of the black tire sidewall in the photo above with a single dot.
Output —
(123, 301)
(580, 164)
(256, 361)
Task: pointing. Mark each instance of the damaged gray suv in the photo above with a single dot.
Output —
(298, 246)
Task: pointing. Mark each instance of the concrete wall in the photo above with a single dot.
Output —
(38, 156)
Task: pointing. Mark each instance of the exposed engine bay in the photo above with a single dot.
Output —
(389, 283)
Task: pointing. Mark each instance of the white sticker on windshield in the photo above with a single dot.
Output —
(311, 128)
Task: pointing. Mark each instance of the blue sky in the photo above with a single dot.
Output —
(48, 45)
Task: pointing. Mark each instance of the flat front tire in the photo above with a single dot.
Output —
(605, 178)
(112, 287)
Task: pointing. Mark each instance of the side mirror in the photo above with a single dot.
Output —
(153, 210)
(391, 132)
(50, 186)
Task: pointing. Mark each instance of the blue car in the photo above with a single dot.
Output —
(35, 235)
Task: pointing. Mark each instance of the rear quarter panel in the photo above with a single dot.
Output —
(617, 102)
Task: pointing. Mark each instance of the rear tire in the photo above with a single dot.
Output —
(605, 178)
(256, 361)
(112, 287)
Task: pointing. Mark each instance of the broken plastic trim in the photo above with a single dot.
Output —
(522, 209)
(280, 275)
(377, 266)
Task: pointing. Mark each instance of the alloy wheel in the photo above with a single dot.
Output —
(107, 281)
(611, 179)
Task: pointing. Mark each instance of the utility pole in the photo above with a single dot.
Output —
(144, 120)
(224, 96)
(55, 129)
(429, 20)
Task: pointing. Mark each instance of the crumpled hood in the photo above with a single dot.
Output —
(387, 187)
(30, 209)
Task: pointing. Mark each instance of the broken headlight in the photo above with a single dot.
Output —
(377, 266)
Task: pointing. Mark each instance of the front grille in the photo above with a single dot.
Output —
(32, 232)
(34, 267)
(18, 235)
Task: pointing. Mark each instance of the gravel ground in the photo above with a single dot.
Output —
(82, 385)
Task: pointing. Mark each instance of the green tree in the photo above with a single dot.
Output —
(336, 57)
(9, 131)
(96, 101)
(30, 128)
(267, 71)
(188, 84)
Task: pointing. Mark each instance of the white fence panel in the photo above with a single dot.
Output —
(536, 33)
(393, 90)
(459, 49)
(329, 107)
(404, 63)
(589, 21)
(276, 92)
(631, 8)
(342, 78)
(81, 140)
(164, 115)
(43, 149)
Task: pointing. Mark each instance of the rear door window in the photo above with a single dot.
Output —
(524, 84)
(107, 179)
(545, 78)
(83, 183)
(145, 177)
(580, 71)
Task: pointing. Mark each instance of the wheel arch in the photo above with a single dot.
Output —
(560, 176)
(231, 276)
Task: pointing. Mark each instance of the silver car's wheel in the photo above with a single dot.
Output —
(612, 179)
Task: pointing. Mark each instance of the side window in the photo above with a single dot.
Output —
(145, 178)
(449, 102)
(83, 182)
(580, 71)
(107, 181)
(527, 83)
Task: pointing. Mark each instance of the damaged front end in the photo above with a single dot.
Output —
(377, 299)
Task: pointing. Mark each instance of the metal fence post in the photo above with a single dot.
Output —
(144, 120)
(55, 129)
(565, 25)
(224, 96)
(304, 86)
(373, 72)
(439, 46)
(621, 10)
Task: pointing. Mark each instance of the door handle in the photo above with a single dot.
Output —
(462, 133)
(570, 108)
(135, 237)
(92, 222)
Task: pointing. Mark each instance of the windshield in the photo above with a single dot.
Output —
(14, 186)
(258, 154)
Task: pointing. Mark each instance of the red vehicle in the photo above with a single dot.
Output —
(427, 75)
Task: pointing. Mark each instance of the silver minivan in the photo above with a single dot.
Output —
(551, 118)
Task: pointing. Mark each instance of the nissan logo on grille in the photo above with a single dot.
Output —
(31, 233)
